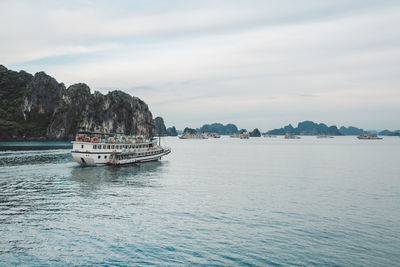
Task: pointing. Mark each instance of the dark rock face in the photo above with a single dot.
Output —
(171, 131)
(116, 112)
(351, 130)
(255, 133)
(43, 94)
(219, 129)
(160, 129)
(48, 109)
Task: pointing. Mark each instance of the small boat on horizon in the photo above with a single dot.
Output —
(291, 136)
(244, 136)
(194, 136)
(369, 137)
(324, 136)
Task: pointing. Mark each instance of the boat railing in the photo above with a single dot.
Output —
(113, 141)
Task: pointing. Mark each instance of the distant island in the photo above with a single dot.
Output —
(307, 128)
(217, 128)
(303, 128)
(37, 107)
(312, 128)
(161, 130)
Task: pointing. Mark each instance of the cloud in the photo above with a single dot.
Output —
(226, 59)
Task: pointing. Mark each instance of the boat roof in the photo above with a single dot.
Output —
(89, 132)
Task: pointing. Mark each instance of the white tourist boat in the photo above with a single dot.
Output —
(98, 149)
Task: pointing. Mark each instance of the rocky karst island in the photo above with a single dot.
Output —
(38, 107)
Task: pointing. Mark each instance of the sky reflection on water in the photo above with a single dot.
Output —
(228, 202)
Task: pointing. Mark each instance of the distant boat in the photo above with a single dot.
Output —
(324, 136)
(270, 135)
(193, 136)
(244, 136)
(213, 135)
(235, 135)
(369, 137)
(291, 136)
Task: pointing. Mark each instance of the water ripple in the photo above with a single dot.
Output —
(303, 203)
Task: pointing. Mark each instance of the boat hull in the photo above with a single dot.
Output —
(136, 160)
(91, 159)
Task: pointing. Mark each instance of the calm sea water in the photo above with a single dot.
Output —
(263, 201)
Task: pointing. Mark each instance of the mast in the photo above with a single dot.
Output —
(135, 129)
(159, 132)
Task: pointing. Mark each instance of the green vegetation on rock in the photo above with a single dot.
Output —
(160, 129)
(219, 129)
(171, 131)
(255, 133)
(38, 107)
(307, 128)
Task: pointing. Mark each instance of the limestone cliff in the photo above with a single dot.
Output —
(47, 109)
(160, 129)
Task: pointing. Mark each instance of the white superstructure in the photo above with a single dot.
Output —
(95, 149)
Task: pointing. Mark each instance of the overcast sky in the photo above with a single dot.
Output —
(252, 63)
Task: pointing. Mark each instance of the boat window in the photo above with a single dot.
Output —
(113, 147)
(98, 157)
(94, 147)
(108, 147)
(81, 146)
(104, 147)
(105, 157)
